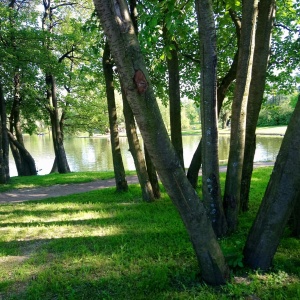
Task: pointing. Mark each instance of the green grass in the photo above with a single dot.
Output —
(104, 245)
(55, 178)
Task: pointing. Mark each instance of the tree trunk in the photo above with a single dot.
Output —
(25, 163)
(174, 96)
(223, 86)
(152, 174)
(126, 52)
(295, 219)
(27, 159)
(136, 152)
(261, 56)
(238, 116)
(211, 189)
(57, 134)
(121, 183)
(4, 144)
(279, 200)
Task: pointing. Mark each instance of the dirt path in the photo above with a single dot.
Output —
(58, 190)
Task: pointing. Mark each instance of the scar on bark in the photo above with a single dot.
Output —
(140, 81)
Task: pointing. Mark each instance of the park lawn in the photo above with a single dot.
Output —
(20, 182)
(104, 245)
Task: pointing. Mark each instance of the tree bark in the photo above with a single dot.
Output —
(295, 219)
(238, 119)
(280, 198)
(4, 144)
(25, 163)
(211, 189)
(136, 152)
(265, 19)
(57, 134)
(223, 86)
(149, 164)
(152, 174)
(121, 182)
(174, 95)
(126, 52)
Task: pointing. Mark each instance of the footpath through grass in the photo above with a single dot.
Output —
(103, 245)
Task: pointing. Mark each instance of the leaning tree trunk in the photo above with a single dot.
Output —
(295, 219)
(152, 174)
(261, 56)
(136, 152)
(121, 183)
(126, 52)
(150, 167)
(211, 189)
(174, 95)
(26, 157)
(57, 135)
(238, 116)
(4, 144)
(25, 163)
(279, 200)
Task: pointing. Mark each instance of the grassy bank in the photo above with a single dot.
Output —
(103, 245)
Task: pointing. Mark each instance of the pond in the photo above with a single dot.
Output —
(94, 154)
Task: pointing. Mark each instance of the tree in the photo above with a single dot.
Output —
(117, 25)
(211, 189)
(121, 183)
(4, 144)
(261, 54)
(280, 198)
(238, 119)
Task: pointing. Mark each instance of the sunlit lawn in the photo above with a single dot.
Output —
(103, 245)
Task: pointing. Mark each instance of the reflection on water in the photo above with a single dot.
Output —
(94, 154)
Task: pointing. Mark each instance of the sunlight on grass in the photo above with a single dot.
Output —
(106, 245)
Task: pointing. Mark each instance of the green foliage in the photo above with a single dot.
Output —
(274, 115)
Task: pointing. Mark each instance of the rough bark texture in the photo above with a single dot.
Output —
(238, 119)
(4, 144)
(295, 219)
(223, 86)
(152, 174)
(261, 56)
(136, 151)
(126, 52)
(121, 183)
(279, 200)
(211, 189)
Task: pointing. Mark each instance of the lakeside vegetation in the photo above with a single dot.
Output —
(104, 245)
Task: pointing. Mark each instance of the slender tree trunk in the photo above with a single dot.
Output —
(174, 96)
(126, 52)
(136, 152)
(223, 86)
(57, 135)
(121, 183)
(211, 189)
(25, 163)
(295, 219)
(150, 166)
(152, 174)
(4, 144)
(238, 119)
(279, 200)
(261, 56)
